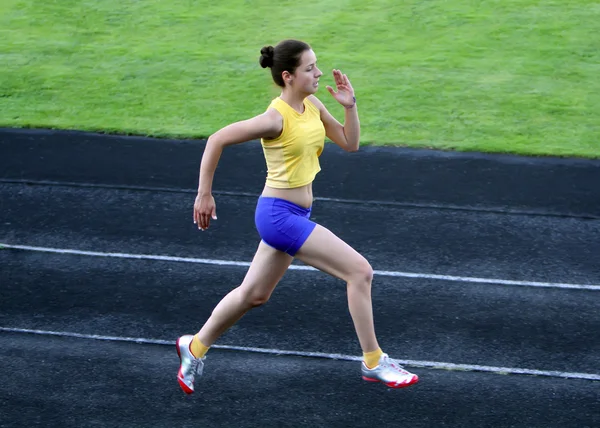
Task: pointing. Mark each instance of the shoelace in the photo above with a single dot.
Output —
(194, 365)
(394, 364)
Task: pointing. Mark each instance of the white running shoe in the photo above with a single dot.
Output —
(190, 366)
(389, 372)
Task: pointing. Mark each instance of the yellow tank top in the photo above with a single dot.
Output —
(293, 157)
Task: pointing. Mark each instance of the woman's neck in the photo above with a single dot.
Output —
(295, 101)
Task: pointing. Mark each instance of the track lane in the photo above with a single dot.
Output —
(415, 319)
(88, 383)
(512, 247)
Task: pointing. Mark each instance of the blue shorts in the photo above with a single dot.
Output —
(282, 224)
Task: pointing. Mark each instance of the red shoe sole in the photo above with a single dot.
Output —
(393, 384)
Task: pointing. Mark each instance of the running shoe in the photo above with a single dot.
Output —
(190, 366)
(390, 373)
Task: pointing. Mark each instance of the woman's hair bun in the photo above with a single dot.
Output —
(266, 56)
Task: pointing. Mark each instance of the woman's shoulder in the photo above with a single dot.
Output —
(315, 102)
(276, 118)
(317, 105)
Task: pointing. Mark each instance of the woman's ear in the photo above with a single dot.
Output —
(287, 77)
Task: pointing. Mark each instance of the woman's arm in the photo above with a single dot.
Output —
(347, 136)
(266, 125)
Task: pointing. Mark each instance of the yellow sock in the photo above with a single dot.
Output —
(372, 358)
(198, 348)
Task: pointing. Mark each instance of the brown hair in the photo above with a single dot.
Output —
(285, 56)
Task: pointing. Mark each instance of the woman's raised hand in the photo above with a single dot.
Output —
(345, 93)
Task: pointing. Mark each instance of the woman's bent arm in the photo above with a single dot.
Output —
(266, 125)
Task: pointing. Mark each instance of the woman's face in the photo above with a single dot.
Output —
(306, 77)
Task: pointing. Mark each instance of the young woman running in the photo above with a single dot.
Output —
(292, 132)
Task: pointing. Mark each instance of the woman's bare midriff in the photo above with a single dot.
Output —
(302, 196)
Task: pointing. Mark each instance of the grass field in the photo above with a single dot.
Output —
(497, 76)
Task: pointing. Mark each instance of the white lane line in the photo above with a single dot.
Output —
(301, 267)
(412, 363)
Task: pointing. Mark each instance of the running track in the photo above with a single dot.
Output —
(487, 285)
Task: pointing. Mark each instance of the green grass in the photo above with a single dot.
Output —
(490, 75)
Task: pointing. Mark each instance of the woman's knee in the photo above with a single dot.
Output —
(258, 300)
(362, 273)
(253, 297)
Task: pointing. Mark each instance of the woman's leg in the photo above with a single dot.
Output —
(328, 253)
(267, 268)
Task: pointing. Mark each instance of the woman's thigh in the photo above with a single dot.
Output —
(327, 252)
(266, 270)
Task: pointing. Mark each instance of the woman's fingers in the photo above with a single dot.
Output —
(204, 210)
(205, 222)
(339, 79)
